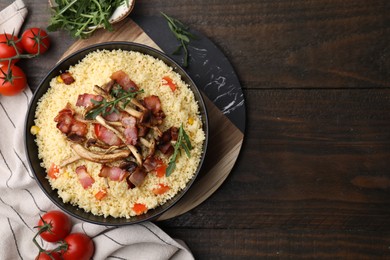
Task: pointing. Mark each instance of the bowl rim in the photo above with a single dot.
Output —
(44, 85)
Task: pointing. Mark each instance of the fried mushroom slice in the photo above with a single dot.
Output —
(99, 157)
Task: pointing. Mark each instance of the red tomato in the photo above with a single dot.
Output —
(53, 170)
(169, 83)
(55, 226)
(45, 256)
(161, 189)
(101, 194)
(35, 41)
(96, 128)
(80, 247)
(161, 170)
(139, 208)
(12, 80)
(8, 46)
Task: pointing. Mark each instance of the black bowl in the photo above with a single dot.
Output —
(32, 149)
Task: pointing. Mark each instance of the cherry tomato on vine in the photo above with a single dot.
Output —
(45, 256)
(12, 80)
(35, 41)
(54, 226)
(80, 246)
(8, 46)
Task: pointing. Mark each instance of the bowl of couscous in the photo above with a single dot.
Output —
(116, 133)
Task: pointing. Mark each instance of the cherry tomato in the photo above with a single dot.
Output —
(45, 256)
(35, 41)
(55, 225)
(8, 46)
(12, 80)
(80, 247)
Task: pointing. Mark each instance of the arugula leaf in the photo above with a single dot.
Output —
(182, 35)
(105, 107)
(82, 17)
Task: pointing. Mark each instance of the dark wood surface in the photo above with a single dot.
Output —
(313, 176)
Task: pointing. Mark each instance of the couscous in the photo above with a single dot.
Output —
(79, 161)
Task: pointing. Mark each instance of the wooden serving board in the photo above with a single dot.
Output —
(225, 139)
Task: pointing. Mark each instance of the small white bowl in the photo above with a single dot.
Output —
(118, 15)
(122, 12)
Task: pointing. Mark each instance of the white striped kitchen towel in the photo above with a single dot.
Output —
(22, 201)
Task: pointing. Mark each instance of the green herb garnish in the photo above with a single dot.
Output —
(105, 107)
(82, 17)
(183, 141)
(182, 35)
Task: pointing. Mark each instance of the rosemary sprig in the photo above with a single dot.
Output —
(183, 141)
(105, 107)
(82, 17)
(182, 35)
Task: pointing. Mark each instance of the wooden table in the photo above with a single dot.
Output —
(313, 177)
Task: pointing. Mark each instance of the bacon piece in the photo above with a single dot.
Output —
(151, 163)
(85, 179)
(113, 173)
(128, 166)
(166, 148)
(174, 133)
(106, 135)
(64, 122)
(64, 119)
(79, 128)
(166, 136)
(131, 130)
(153, 104)
(132, 148)
(164, 144)
(115, 117)
(76, 138)
(67, 78)
(67, 124)
(130, 185)
(84, 100)
(124, 81)
(108, 86)
(67, 110)
(138, 176)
